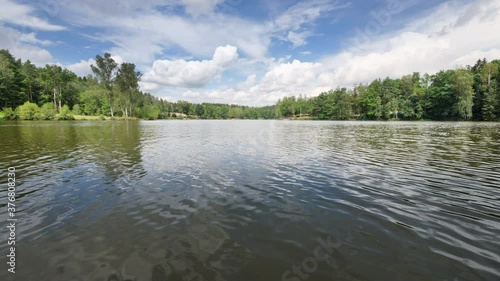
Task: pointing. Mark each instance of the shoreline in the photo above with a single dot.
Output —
(107, 118)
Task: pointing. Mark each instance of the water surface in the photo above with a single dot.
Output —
(252, 200)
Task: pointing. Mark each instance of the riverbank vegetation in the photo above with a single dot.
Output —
(28, 92)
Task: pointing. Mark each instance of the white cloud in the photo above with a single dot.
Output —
(184, 73)
(155, 28)
(82, 68)
(291, 25)
(18, 44)
(419, 46)
(282, 79)
(297, 38)
(141, 31)
(423, 46)
(249, 82)
(305, 12)
(30, 38)
(472, 57)
(22, 15)
(198, 37)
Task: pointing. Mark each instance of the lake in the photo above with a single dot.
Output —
(252, 200)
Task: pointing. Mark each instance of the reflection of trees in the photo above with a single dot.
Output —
(116, 147)
(68, 167)
(53, 147)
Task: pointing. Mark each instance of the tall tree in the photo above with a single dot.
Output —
(66, 78)
(463, 82)
(491, 100)
(30, 73)
(441, 98)
(105, 70)
(343, 106)
(11, 80)
(51, 79)
(127, 81)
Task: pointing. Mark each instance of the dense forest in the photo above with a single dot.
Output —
(29, 92)
(470, 93)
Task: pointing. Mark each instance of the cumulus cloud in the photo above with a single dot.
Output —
(156, 28)
(23, 15)
(19, 45)
(422, 46)
(82, 68)
(194, 74)
(282, 79)
(454, 33)
(419, 46)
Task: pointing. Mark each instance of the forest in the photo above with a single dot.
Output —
(28, 92)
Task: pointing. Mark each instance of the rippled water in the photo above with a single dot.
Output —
(253, 200)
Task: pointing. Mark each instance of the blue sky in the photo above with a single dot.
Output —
(253, 52)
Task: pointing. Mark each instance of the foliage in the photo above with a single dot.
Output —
(9, 114)
(127, 82)
(467, 93)
(464, 93)
(149, 112)
(28, 111)
(65, 113)
(76, 109)
(47, 111)
(105, 71)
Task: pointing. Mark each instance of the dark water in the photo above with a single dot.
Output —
(253, 200)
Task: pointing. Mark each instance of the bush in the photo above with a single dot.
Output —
(66, 114)
(102, 117)
(163, 115)
(9, 114)
(150, 112)
(47, 111)
(28, 111)
(76, 109)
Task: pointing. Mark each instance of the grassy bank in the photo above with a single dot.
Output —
(73, 118)
(99, 118)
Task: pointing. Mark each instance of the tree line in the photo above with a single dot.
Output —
(53, 92)
(470, 93)
(29, 92)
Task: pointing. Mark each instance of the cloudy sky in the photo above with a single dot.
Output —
(253, 52)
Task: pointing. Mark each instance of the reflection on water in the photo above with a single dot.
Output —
(249, 200)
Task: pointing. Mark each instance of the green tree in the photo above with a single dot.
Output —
(105, 70)
(28, 111)
(490, 89)
(55, 80)
(66, 114)
(463, 82)
(11, 81)
(127, 81)
(371, 102)
(150, 112)
(9, 114)
(343, 106)
(30, 73)
(47, 111)
(76, 109)
(441, 96)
